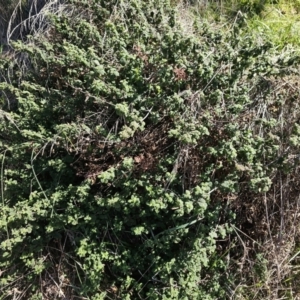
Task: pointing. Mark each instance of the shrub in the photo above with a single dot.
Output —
(125, 140)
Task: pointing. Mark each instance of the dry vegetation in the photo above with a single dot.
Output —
(268, 232)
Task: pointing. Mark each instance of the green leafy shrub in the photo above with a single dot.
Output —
(124, 141)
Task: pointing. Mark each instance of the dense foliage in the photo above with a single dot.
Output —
(123, 139)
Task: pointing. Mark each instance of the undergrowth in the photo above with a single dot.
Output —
(147, 155)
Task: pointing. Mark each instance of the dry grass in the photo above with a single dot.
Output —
(20, 19)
